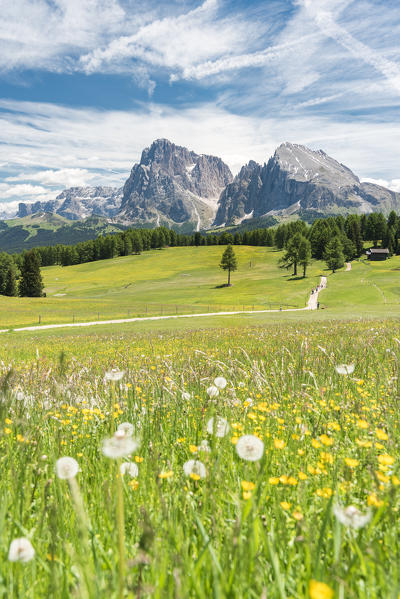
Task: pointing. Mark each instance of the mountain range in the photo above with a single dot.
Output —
(176, 187)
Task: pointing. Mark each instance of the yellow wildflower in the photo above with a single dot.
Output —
(320, 590)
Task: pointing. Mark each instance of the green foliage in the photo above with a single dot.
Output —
(334, 256)
(297, 251)
(228, 262)
(7, 275)
(30, 282)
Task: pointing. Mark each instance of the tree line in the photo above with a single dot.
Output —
(334, 239)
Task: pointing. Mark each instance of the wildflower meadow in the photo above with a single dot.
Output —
(249, 462)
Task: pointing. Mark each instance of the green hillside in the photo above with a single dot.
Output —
(188, 279)
(50, 229)
(172, 280)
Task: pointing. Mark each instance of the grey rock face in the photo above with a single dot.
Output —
(173, 185)
(77, 203)
(297, 179)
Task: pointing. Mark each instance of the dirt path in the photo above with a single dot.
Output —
(311, 305)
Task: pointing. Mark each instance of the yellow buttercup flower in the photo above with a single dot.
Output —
(279, 443)
(247, 485)
(386, 460)
(351, 462)
(320, 590)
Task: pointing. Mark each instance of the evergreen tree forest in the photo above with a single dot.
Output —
(310, 241)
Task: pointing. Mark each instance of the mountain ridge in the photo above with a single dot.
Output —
(176, 187)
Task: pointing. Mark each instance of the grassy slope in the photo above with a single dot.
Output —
(188, 278)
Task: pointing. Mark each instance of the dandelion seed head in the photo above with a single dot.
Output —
(220, 382)
(194, 467)
(67, 468)
(344, 369)
(212, 391)
(351, 516)
(250, 448)
(119, 446)
(127, 428)
(218, 426)
(114, 375)
(129, 468)
(21, 550)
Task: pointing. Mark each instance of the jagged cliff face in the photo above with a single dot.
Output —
(174, 186)
(78, 203)
(298, 180)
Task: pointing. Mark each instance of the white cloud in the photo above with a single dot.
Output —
(393, 184)
(176, 42)
(321, 12)
(65, 177)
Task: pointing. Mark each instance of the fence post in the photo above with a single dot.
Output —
(40, 319)
(73, 318)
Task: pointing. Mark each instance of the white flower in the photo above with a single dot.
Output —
(129, 468)
(21, 550)
(218, 426)
(249, 402)
(345, 368)
(67, 468)
(250, 448)
(212, 391)
(127, 428)
(114, 375)
(351, 516)
(220, 382)
(241, 385)
(186, 396)
(204, 446)
(119, 446)
(194, 467)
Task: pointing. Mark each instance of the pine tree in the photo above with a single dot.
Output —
(31, 283)
(10, 288)
(228, 262)
(334, 256)
(298, 250)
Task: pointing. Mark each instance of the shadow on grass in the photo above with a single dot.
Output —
(222, 286)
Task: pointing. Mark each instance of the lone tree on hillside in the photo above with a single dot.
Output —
(334, 256)
(30, 282)
(228, 262)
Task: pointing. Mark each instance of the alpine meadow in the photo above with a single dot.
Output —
(200, 299)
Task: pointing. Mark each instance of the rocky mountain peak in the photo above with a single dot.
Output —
(173, 185)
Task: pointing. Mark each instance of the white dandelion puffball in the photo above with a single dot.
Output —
(204, 446)
(220, 382)
(186, 396)
(114, 375)
(250, 448)
(129, 468)
(21, 550)
(212, 391)
(218, 426)
(127, 428)
(345, 368)
(351, 516)
(194, 467)
(67, 468)
(119, 446)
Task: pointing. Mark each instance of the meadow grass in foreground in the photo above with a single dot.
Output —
(306, 507)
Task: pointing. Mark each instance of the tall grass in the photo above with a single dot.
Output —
(248, 529)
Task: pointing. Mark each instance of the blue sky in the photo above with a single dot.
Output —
(85, 85)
